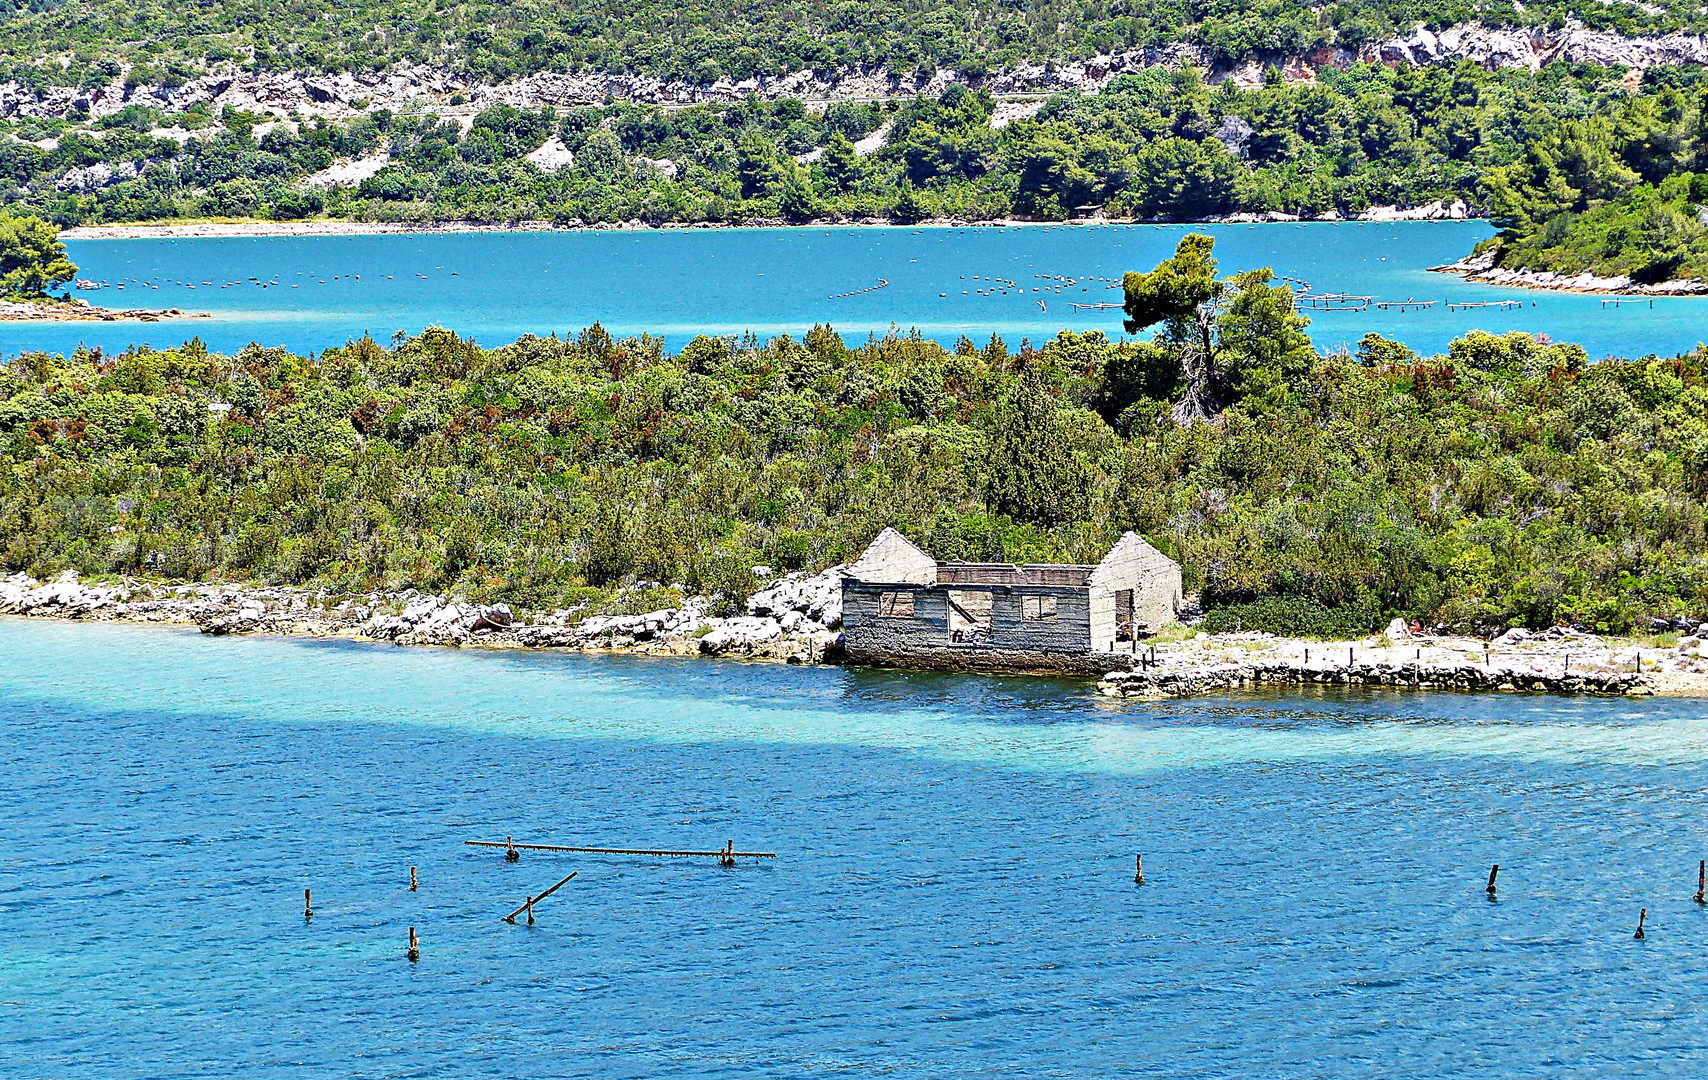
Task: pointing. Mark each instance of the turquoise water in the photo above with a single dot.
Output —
(496, 286)
(953, 895)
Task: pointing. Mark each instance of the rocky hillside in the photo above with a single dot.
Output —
(309, 93)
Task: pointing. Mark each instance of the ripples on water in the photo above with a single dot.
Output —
(954, 896)
(677, 283)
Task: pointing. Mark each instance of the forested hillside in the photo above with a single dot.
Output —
(1531, 145)
(1615, 192)
(89, 42)
(1505, 482)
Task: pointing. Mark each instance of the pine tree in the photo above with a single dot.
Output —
(1034, 476)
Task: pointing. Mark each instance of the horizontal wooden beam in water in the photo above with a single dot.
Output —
(617, 851)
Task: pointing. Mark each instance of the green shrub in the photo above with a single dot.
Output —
(1294, 616)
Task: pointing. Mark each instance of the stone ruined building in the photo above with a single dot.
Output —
(901, 607)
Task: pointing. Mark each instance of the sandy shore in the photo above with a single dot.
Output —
(268, 229)
(265, 229)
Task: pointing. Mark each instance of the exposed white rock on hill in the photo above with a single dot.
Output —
(552, 156)
(347, 94)
(348, 173)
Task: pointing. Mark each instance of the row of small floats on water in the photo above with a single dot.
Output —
(1055, 284)
(89, 284)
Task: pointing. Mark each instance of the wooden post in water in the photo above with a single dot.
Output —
(510, 852)
(1138, 869)
(1641, 916)
(307, 905)
(414, 946)
(1701, 882)
(412, 882)
(528, 905)
(1492, 875)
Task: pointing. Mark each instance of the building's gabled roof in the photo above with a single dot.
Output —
(1131, 548)
(891, 558)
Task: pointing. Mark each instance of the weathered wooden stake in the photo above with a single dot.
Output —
(1565, 670)
(1307, 656)
(1701, 882)
(412, 882)
(307, 905)
(727, 856)
(510, 852)
(1492, 875)
(1138, 869)
(1641, 915)
(528, 905)
(414, 946)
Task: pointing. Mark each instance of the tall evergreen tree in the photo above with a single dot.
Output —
(1034, 476)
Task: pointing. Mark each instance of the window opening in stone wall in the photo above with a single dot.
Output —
(898, 604)
(1038, 607)
(969, 615)
(1124, 615)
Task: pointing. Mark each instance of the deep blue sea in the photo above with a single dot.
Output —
(675, 284)
(953, 895)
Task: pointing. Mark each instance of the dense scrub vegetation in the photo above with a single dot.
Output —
(1614, 192)
(1150, 145)
(32, 260)
(1505, 482)
(92, 42)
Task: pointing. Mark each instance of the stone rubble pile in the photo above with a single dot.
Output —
(64, 597)
(1188, 682)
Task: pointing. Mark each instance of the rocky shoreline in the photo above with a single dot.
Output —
(77, 310)
(1560, 660)
(1412, 675)
(1481, 269)
(797, 619)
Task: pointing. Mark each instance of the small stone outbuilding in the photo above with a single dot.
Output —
(901, 607)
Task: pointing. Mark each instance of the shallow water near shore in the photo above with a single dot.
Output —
(678, 283)
(953, 895)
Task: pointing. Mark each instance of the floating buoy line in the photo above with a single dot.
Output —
(883, 283)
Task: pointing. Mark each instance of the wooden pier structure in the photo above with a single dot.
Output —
(1467, 305)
